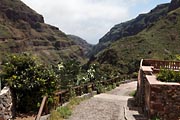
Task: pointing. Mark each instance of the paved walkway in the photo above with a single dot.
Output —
(113, 105)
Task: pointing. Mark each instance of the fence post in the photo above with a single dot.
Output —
(41, 108)
(0, 83)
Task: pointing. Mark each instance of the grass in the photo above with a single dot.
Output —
(64, 112)
(133, 93)
(4, 32)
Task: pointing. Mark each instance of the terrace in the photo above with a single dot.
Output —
(156, 98)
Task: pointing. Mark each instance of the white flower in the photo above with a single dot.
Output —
(60, 66)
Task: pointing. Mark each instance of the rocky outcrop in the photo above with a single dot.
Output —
(6, 104)
(17, 15)
(174, 5)
(16, 10)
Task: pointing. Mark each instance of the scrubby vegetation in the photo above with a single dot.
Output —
(168, 75)
(65, 111)
(30, 80)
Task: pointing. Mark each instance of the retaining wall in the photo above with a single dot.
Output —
(5, 104)
(160, 99)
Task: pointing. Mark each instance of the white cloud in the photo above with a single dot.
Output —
(89, 19)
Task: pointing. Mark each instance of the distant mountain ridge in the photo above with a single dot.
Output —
(24, 30)
(87, 47)
(154, 35)
(131, 27)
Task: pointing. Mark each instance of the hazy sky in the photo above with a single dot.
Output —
(90, 19)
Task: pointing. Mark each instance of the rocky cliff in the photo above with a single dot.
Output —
(133, 26)
(24, 30)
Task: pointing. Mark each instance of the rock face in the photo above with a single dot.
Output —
(24, 30)
(6, 104)
(174, 5)
(86, 47)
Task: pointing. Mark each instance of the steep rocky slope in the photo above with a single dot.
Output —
(153, 35)
(86, 47)
(24, 30)
(131, 27)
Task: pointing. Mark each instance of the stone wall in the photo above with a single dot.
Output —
(160, 99)
(5, 104)
(165, 101)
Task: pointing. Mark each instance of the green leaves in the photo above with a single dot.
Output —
(28, 79)
(168, 75)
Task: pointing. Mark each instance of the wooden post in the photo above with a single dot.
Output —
(41, 108)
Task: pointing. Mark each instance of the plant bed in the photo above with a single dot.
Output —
(166, 75)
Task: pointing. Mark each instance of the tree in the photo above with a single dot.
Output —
(68, 72)
(28, 79)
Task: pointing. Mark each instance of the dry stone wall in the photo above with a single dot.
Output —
(5, 104)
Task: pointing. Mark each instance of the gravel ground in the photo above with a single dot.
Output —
(107, 106)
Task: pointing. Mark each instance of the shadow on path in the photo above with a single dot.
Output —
(134, 111)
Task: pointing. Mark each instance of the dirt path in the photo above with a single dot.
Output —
(107, 106)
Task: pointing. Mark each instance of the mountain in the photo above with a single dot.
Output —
(131, 27)
(85, 46)
(24, 30)
(153, 35)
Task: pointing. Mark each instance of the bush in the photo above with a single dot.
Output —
(28, 79)
(109, 87)
(114, 85)
(168, 76)
(100, 88)
(72, 93)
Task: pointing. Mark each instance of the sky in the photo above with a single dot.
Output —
(90, 19)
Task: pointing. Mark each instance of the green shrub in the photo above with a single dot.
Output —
(29, 80)
(114, 85)
(134, 75)
(109, 87)
(100, 88)
(168, 76)
(72, 93)
(133, 93)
